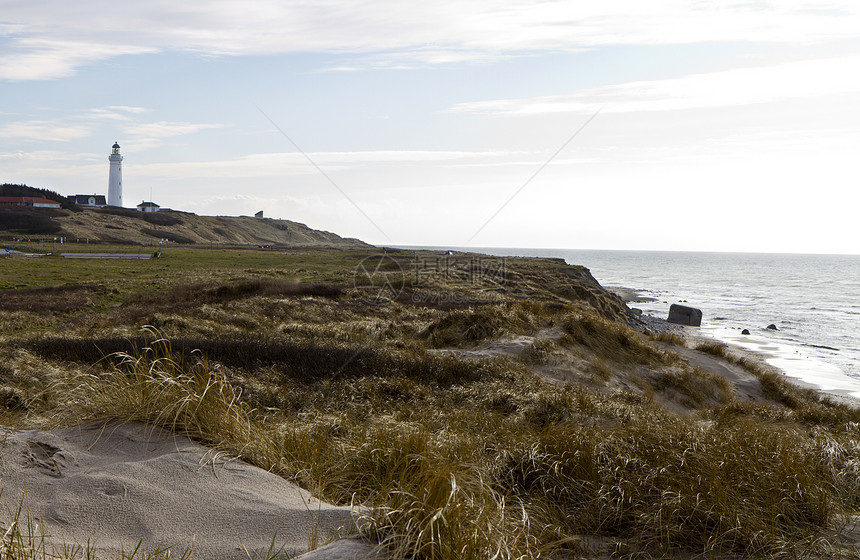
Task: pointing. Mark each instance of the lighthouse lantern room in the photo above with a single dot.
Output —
(115, 179)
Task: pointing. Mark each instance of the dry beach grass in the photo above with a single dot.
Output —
(585, 439)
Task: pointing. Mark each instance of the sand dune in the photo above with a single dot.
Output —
(115, 485)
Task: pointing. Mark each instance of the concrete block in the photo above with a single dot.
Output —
(683, 315)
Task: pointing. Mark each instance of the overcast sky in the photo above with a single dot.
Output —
(708, 125)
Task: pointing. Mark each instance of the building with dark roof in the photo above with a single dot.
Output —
(91, 200)
(148, 207)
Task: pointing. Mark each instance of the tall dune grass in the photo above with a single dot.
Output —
(610, 340)
(504, 466)
(454, 458)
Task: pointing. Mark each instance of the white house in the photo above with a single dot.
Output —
(148, 207)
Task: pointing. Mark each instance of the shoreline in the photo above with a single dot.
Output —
(801, 370)
(798, 368)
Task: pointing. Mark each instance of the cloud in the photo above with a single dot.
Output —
(72, 127)
(744, 86)
(414, 58)
(54, 156)
(116, 112)
(58, 170)
(291, 163)
(150, 135)
(34, 58)
(52, 38)
(164, 129)
(43, 131)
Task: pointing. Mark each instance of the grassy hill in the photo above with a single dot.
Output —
(476, 407)
(124, 225)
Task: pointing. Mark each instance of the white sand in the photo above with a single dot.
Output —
(114, 486)
(791, 361)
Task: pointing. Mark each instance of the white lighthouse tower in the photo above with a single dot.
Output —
(114, 197)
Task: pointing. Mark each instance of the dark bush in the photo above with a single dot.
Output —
(464, 328)
(30, 221)
(301, 361)
(59, 299)
(11, 399)
(116, 211)
(161, 218)
(206, 293)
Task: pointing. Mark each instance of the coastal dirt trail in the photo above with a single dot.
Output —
(746, 384)
(567, 365)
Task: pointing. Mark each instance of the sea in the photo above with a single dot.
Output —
(813, 300)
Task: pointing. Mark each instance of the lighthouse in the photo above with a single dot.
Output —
(114, 197)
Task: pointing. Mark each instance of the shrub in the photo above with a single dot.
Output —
(175, 391)
(58, 299)
(161, 218)
(670, 338)
(699, 387)
(29, 221)
(471, 327)
(117, 211)
(610, 340)
(601, 369)
(295, 360)
(540, 352)
(744, 488)
(714, 348)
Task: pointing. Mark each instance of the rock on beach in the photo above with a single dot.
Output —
(685, 315)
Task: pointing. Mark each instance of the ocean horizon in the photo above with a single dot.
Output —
(813, 300)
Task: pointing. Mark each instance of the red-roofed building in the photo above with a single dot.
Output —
(32, 201)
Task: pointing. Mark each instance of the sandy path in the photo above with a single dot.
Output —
(746, 384)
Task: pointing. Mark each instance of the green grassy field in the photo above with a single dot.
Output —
(588, 439)
(176, 265)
